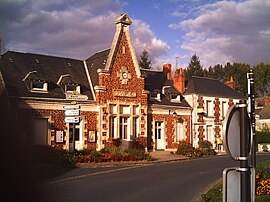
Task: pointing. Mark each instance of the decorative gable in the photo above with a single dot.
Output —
(121, 77)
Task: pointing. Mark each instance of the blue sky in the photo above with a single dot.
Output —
(170, 30)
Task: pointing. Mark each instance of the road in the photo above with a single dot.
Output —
(175, 181)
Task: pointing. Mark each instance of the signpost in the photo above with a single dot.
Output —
(236, 136)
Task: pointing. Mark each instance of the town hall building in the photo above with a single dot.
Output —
(73, 104)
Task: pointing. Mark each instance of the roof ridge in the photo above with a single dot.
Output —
(42, 54)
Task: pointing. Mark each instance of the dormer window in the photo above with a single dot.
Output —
(39, 86)
(155, 95)
(72, 88)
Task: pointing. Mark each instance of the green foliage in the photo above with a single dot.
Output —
(263, 137)
(204, 144)
(263, 170)
(214, 194)
(188, 150)
(144, 61)
(194, 68)
(185, 149)
(139, 143)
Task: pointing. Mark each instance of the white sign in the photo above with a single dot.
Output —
(72, 107)
(72, 112)
(72, 119)
(59, 136)
(76, 97)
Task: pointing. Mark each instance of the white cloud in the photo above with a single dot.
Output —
(228, 31)
(59, 27)
(144, 38)
(70, 28)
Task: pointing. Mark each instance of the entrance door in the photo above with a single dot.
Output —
(40, 132)
(74, 132)
(159, 135)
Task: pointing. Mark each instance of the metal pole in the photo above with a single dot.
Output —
(251, 97)
(244, 151)
(73, 136)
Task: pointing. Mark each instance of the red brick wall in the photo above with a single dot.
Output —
(112, 81)
(170, 123)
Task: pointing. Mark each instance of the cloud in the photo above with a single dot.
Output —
(229, 31)
(144, 38)
(70, 28)
(67, 28)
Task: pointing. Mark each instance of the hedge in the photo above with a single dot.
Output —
(262, 137)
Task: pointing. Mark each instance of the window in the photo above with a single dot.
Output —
(113, 124)
(209, 133)
(209, 110)
(223, 108)
(39, 86)
(180, 132)
(158, 129)
(70, 88)
(124, 109)
(135, 126)
(124, 128)
(113, 109)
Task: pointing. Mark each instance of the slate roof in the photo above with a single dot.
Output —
(95, 62)
(155, 81)
(265, 113)
(15, 66)
(210, 87)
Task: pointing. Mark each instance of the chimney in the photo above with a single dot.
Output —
(266, 101)
(167, 71)
(179, 80)
(231, 83)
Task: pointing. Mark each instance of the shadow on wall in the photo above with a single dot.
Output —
(20, 174)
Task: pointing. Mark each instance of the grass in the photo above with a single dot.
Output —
(214, 194)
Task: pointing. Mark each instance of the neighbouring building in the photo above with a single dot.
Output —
(210, 100)
(73, 104)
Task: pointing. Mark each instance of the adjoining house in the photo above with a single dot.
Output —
(73, 104)
(210, 100)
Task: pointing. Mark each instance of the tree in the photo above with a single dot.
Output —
(262, 79)
(194, 68)
(144, 62)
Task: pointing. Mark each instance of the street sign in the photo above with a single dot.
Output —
(231, 133)
(231, 185)
(76, 97)
(72, 112)
(72, 119)
(67, 107)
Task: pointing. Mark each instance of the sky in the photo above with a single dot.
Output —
(170, 30)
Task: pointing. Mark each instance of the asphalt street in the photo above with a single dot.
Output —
(169, 181)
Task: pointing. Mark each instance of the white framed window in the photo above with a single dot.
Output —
(124, 128)
(40, 86)
(136, 110)
(209, 133)
(135, 127)
(71, 88)
(113, 126)
(180, 132)
(158, 129)
(113, 109)
(124, 109)
(209, 108)
(223, 109)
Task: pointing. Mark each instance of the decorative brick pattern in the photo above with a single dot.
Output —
(200, 102)
(216, 111)
(201, 133)
(170, 123)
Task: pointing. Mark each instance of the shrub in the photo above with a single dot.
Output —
(139, 143)
(262, 137)
(205, 144)
(185, 149)
(263, 178)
